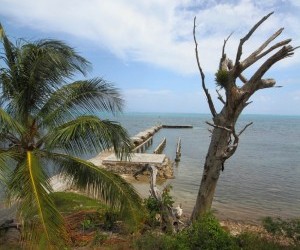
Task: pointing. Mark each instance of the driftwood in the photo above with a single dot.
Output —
(169, 216)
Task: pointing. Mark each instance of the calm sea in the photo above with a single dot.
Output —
(261, 179)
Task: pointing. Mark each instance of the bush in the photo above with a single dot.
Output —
(155, 241)
(109, 220)
(155, 207)
(251, 241)
(289, 228)
(206, 233)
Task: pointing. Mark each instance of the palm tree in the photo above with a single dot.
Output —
(47, 121)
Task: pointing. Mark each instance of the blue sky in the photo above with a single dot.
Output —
(145, 47)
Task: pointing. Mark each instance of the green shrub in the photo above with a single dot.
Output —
(289, 228)
(155, 241)
(206, 233)
(154, 206)
(110, 218)
(251, 241)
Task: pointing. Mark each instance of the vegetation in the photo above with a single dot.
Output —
(156, 208)
(69, 202)
(207, 234)
(288, 228)
(46, 123)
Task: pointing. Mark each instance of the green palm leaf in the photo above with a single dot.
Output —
(7, 158)
(40, 114)
(89, 134)
(41, 218)
(8, 123)
(80, 97)
(100, 183)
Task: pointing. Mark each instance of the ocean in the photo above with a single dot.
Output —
(261, 179)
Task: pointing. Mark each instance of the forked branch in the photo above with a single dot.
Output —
(245, 38)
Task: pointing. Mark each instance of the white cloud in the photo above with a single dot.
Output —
(154, 31)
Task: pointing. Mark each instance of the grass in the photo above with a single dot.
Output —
(68, 202)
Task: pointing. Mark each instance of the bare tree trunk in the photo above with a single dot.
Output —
(224, 139)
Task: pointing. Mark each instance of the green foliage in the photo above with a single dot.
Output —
(251, 241)
(154, 206)
(289, 228)
(205, 233)
(87, 224)
(109, 219)
(222, 78)
(68, 202)
(42, 124)
(151, 241)
(167, 199)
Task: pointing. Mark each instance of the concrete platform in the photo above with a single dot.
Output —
(137, 158)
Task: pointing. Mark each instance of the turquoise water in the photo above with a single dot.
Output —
(261, 179)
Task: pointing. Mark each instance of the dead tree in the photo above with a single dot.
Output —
(224, 137)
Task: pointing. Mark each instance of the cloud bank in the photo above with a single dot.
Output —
(159, 32)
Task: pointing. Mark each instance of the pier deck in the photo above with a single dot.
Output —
(137, 158)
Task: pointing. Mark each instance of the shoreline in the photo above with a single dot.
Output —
(234, 227)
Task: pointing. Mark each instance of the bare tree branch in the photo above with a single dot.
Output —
(224, 60)
(209, 100)
(220, 97)
(217, 126)
(245, 38)
(266, 83)
(242, 131)
(255, 82)
(251, 60)
(243, 78)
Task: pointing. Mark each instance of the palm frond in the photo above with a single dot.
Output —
(40, 67)
(41, 218)
(100, 183)
(89, 134)
(8, 159)
(81, 97)
(8, 123)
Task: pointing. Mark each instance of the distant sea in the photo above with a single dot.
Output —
(261, 179)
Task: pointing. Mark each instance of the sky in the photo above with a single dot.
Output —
(146, 49)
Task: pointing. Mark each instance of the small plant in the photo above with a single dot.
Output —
(206, 233)
(252, 241)
(155, 206)
(87, 224)
(289, 228)
(222, 78)
(167, 199)
(110, 218)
